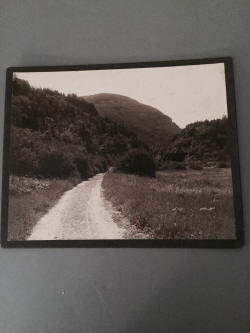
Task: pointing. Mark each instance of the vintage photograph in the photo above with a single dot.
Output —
(120, 154)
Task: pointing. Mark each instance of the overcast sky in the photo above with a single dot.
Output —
(184, 93)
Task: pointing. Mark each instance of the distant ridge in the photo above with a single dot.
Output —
(149, 124)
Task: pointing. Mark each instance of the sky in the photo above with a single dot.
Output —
(184, 93)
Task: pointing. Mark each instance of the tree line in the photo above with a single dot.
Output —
(54, 135)
(58, 135)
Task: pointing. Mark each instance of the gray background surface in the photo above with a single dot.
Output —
(127, 290)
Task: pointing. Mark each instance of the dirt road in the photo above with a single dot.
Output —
(81, 213)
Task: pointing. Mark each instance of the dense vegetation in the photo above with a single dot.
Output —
(137, 162)
(60, 136)
(202, 143)
(204, 140)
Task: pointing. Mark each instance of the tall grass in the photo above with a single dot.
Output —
(193, 204)
(29, 199)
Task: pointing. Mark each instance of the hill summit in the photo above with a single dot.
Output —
(149, 124)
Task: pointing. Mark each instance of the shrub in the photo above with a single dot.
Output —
(101, 164)
(56, 164)
(222, 164)
(171, 165)
(195, 165)
(83, 167)
(23, 162)
(138, 162)
(180, 166)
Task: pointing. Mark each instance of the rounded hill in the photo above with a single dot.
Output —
(150, 125)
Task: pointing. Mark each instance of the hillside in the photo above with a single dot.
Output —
(57, 135)
(149, 124)
(203, 140)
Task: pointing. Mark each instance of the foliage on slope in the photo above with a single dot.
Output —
(149, 124)
(203, 140)
(57, 135)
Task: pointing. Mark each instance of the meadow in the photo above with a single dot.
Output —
(29, 199)
(185, 204)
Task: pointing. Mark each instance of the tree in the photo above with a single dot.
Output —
(56, 164)
(138, 162)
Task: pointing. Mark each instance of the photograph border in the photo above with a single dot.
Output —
(130, 243)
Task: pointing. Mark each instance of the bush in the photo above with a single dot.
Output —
(83, 167)
(138, 162)
(171, 165)
(23, 162)
(101, 164)
(56, 164)
(195, 165)
(222, 164)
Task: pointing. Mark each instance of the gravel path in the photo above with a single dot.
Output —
(81, 213)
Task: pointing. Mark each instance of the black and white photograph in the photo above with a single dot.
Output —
(120, 154)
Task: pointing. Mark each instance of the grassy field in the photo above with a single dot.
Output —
(190, 204)
(29, 199)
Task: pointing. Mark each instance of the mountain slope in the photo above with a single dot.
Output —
(149, 124)
(57, 135)
(204, 140)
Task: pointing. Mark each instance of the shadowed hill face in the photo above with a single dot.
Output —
(149, 124)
